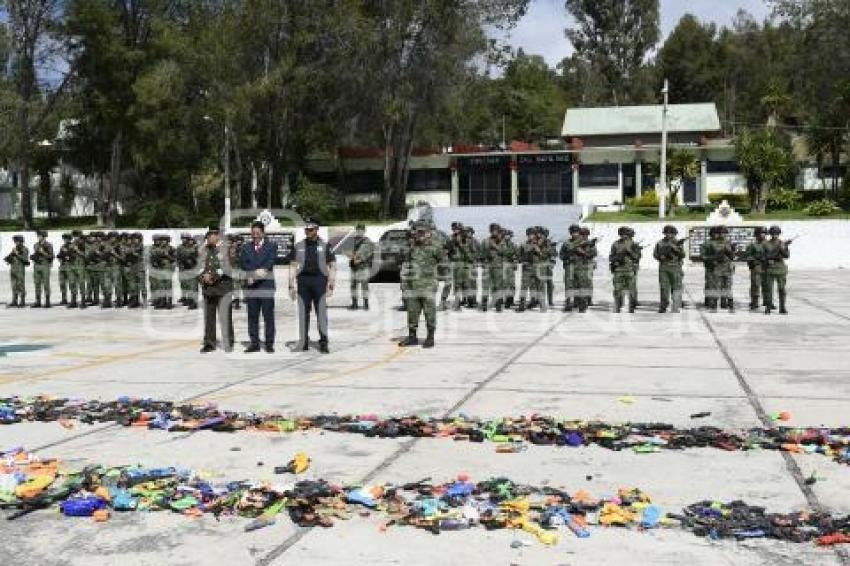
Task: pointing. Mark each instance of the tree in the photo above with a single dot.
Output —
(29, 28)
(682, 166)
(764, 157)
(692, 60)
(615, 36)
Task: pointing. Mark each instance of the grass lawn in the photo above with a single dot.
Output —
(625, 216)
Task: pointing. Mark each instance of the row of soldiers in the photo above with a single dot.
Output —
(111, 269)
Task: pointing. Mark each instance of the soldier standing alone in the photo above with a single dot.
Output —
(361, 266)
(18, 260)
(425, 260)
(775, 271)
(42, 258)
(754, 254)
(670, 254)
(624, 254)
(718, 256)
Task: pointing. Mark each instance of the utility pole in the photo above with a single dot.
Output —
(226, 177)
(662, 187)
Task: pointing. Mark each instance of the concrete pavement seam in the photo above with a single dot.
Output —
(405, 446)
(790, 464)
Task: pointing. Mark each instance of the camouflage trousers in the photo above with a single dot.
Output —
(360, 282)
(64, 279)
(533, 283)
(624, 285)
(757, 283)
(670, 284)
(93, 283)
(18, 284)
(41, 280)
(773, 279)
(188, 285)
(494, 282)
(421, 301)
(718, 285)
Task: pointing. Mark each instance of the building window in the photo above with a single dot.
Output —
(361, 182)
(604, 175)
(722, 167)
(484, 181)
(429, 180)
(545, 185)
(830, 172)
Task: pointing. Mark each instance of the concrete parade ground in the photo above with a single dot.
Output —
(639, 367)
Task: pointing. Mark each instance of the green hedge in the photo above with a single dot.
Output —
(737, 201)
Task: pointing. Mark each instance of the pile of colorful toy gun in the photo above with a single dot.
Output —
(534, 429)
(29, 484)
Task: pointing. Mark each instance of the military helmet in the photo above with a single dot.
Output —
(18, 238)
(723, 229)
(574, 229)
(529, 231)
(544, 231)
(670, 229)
(623, 231)
(774, 230)
(469, 229)
(494, 226)
(759, 230)
(457, 226)
(41, 233)
(66, 236)
(584, 231)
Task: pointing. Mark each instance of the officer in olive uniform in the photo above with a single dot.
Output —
(42, 259)
(425, 259)
(216, 286)
(18, 260)
(754, 254)
(622, 258)
(186, 257)
(362, 254)
(64, 257)
(718, 256)
(776, 252)
(670, 254)
(566, 253)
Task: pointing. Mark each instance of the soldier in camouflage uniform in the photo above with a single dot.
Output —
(473, 263)
(496, 254)
(568, 260)
(754, 255)
(42, 259)
(235, 242)
(404, 272)
(622, 258)
(64, 258)
(670, 253)
(510, 267)
(551, 250)
(143, 261)
(186, 257)
(585, 262)
(362, 254)
(775, 270)
(93, 269)
(77, 261)
(718, 256)
(424, 259)
(18, 260)
(461, 258)
(534, 258)
(639, 249)
(448, 246)
(162, 272)
(107, 267)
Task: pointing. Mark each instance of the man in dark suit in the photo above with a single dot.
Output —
(312, 278)
(217, 288)
(257, 261)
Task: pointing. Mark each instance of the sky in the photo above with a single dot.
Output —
(541, 30)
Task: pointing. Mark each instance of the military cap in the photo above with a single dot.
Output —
(494, 226)
(66, 236)
(360, 226)
(457, 226)
(670, 229)
(18, 238)
(41, 233)
(775, 229)
(759, 230)
(76, 233)
(623, 231)
(584, 231)
(311, 222)
(574, 228)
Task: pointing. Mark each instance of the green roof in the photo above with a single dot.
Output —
(619, 120)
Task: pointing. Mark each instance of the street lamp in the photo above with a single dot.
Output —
(226, 173)
(662, 188)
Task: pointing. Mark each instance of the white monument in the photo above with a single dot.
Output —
(269, 221)
(724, 215)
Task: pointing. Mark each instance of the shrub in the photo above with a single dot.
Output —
(162, 214)
(823, 207)
(646, 199)
(784, 199)
(317, 200)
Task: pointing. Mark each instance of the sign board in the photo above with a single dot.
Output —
(285, 244)
(739, 236)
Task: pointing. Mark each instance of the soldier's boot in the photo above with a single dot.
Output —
(550, 296)
(767, 308)
(754, 303)
(429, 340)
(618, 304)
(353, 306)
(521, 306)
(473, 302)
(782, 309)
(107, 303)
(37, 303)
(14, 303)
(134, 302)
(484, 304)
(723, 302)
(499, 305)
(365, 304)
(632, 304)
(581, 304)
(47, 302)
(411, 340)
(662, 308)
(509, 302)
(73, 303)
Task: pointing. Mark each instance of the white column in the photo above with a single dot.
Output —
(638, 177)
(514, 186)
(703, 181)
(455, 197)
(575, 185)
(620, 182)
